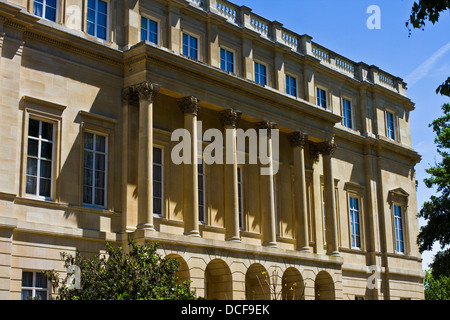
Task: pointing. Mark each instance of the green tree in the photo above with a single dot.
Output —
(436, 288)
(141, 274)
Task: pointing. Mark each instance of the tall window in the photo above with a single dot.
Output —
(95, 160)
(97, 17)
(40, 159)
(291, 86)
(149, 30)
(260, 74)
(355, 223)
(201, 191)
(347, 113)
(390, 125)
(321, 98)
(45, 9)
(275, 204)
(34, 286)
(158, 173)
(240, 198)
(190, 46)
(399, 235)
(227, 60)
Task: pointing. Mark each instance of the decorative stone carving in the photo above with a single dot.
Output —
(230, 117)
(326, 148)
(267, 125)
(298, 139)
(146, 90)
(189, 105)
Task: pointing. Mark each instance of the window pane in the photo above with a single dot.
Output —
(46, 150)
(90, 28)
(87, 195)
(185, 44)
(157, 173)
(41, 295)
(27, 279)
(38, 9)
(157, 206)
(89, 141)
(91, 4)
(46, 169)
(50, 14)
(88, 181)
(47, 131)
(101, 32)
(100, 143)
(157, 155)
(33, 128)
(91, 17)
(157, 189)
(32, 167)
(32, 148)
(44, 187)
(26, 295)
(41, 281)
(102, 7)
(99, 162)
(31, 185)
(88, 159)
(99, 197)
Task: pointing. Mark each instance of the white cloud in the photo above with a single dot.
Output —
(425, 68)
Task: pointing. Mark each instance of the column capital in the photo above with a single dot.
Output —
(189, 105)
(298, 139)
(230, 117)
(129, 95)
(146, 90)
(267, 125)
(326, 148)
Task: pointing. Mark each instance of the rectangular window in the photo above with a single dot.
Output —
(355, 224)
(227, 60)
(190, 46)
(291, 86)
(45, 9)
(97, 17)
(398, 222)
(322, 98)
(390, 125)
(260, 74)
(158, 174)
(347, 113)
(34, 286)
(94, 172)
(149, 30)
(240, 198)
(40, 152)
(201, 191)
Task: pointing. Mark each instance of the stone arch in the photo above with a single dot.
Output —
(218, 281)
(183, 273)
(324, 286)
(257, 286)
(293, 286)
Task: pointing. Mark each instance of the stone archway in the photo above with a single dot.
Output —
(257, 283)
(218, 281)
(293, 287)
(183, 273)
(324, 287)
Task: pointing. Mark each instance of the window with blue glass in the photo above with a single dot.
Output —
(227, 60)
(347, 113)
(355, 223)
(149, 30)
(291, 86)
(399, 234)
(260, 74)
(190, 46)
(45, 9)
(97, 18)
(321, 98)
(390, 125)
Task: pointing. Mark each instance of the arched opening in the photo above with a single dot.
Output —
(218, 281)
(293, 287)
(257, 283)
(324, 286)
(183, 273)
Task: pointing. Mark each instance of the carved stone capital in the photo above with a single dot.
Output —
(189, 105)
(146, 91)
(298, 139)
(326, 148)
(267, 125)
(230, 117)
(129, 95)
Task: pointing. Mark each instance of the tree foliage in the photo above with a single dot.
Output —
(437, 209)
(436, 288)
(141, 274)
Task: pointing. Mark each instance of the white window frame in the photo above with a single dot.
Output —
(394, 124)
(33, 287)
(108, 14)
(352, 118)
(240, 181)
(233, 52)
(158, 28)
(266, 75)
(402, 230)
(162, 180)
(190, 35)
(106, 154)
(296, 85)
(40, 141)
(326, 97)
(353, 235)
(44, 6)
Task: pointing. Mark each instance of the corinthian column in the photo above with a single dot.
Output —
(327, 150)
(298, 140)
(190, 107)
(146, 92)
(230, 119)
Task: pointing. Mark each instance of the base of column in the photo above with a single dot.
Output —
(270, 244)
(304, 249)
(193, 233)
(146, 226)
(233, 239)
(333, 253)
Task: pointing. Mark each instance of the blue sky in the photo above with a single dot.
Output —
(422, 60)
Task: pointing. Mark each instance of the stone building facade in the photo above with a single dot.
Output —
(91, 92)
